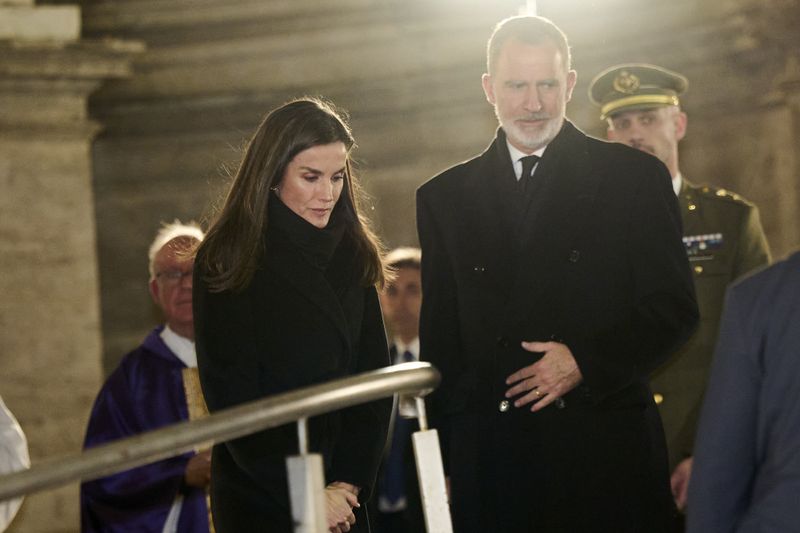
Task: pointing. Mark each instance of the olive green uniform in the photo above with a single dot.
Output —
(724, 240)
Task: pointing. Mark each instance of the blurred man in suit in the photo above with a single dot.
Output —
(746, 474)
(399, 506)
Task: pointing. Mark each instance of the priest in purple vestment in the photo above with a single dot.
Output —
(147, 391)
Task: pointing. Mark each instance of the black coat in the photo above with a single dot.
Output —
(295, 325)
(591, 257)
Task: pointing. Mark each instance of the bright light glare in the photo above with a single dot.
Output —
(529, 8)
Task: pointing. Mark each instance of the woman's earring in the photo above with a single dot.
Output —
(274, 188)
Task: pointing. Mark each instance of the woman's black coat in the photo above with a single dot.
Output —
(295, 325)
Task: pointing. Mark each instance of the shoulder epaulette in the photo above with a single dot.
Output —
(722, 194)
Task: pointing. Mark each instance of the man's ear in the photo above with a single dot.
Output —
(572, 79)
(681, 122)
(488, 90)
(154, 290)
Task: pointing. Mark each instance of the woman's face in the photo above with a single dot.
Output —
(313, 181)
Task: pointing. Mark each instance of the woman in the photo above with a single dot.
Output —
(285, 297)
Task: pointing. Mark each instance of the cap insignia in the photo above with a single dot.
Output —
(627, 83)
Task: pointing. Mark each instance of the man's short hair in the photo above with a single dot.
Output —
(529, 30)
(404, 257)
(168, 232)
(669, 111)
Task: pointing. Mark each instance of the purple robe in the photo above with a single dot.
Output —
(144, 393)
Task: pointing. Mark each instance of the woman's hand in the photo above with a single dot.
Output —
(340, 498)
(198, 470)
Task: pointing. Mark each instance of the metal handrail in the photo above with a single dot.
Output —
(227, 424)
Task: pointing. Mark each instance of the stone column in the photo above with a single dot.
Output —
(50, 344)
(777, 163)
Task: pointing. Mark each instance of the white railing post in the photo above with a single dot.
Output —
(430, 472)
(306, 486)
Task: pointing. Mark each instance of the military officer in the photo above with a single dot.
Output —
(722, 234)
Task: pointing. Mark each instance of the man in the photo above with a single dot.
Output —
(399, 506)
(721, 231)
(747, 457)
(549, 298)
(147, 391)
(13, 457)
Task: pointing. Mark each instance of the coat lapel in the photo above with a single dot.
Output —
(553, 219)
(490, 215)
(491, 191)
(310, 283)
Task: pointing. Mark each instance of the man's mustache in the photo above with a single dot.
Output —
(535, 116)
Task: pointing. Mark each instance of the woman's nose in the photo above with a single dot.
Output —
(327, 190)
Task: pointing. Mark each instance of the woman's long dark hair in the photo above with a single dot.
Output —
(234, 244)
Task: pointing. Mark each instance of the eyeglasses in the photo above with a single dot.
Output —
(174, 277)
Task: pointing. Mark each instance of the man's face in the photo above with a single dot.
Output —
(656, 131)
(529, 90)
(401, 301)
(172, 287)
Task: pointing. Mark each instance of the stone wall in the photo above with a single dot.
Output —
(50, 335)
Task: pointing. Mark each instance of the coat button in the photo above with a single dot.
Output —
(574, 255)
(503, 406)
(658, 398)
(502, 342)
(698, 269)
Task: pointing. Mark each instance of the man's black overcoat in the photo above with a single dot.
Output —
(591, 257)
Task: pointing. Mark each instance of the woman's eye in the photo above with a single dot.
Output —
(310, 177)
(338, 177)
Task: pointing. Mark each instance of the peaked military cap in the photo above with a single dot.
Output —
(635, 86)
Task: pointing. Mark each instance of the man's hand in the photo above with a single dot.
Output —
(340, 498)
(551, 377)
(198, 470)
(680, 482)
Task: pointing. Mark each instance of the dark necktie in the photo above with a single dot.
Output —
(408, 357)
(394, 468)
(528, 162)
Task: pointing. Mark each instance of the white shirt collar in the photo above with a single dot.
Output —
(677, 181)
(182, 347)
(401, 347)
(516, 155)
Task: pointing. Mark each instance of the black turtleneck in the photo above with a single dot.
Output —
(316, 245)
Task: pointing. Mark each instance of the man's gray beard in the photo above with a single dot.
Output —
(531, 142)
